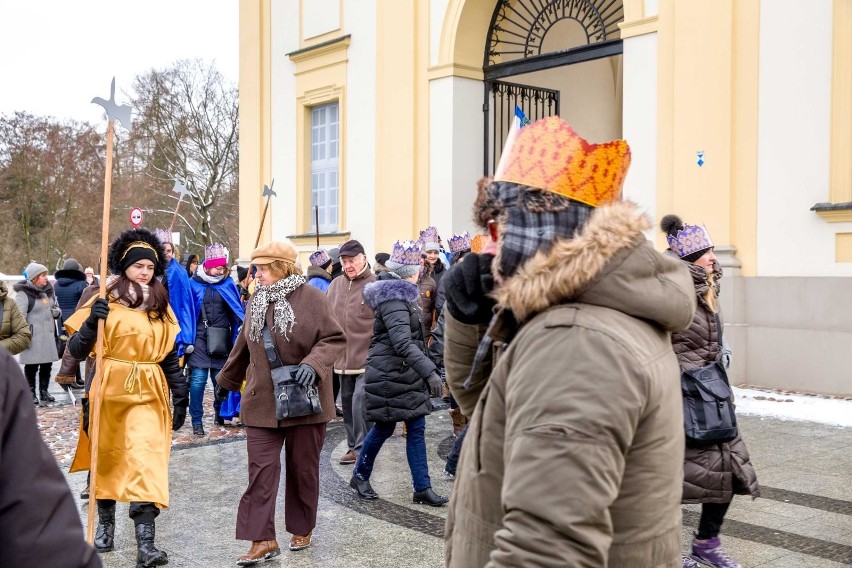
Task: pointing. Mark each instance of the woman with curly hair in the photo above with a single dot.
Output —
(140, 366)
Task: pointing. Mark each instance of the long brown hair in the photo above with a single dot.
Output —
(158, 296)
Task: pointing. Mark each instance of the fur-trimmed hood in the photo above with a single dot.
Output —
(383, 291)
(609, 263)
(317, 272)
(30, 289)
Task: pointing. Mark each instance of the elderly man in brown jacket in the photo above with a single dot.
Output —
(346, 294)
(574, 453)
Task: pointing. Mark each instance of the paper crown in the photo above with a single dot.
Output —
(319, 258)
(460, 242)
(215, 255)
(477, 244)
(405, 252)
(689, 240)
(163, 235)
(549, 154)
(429, 235)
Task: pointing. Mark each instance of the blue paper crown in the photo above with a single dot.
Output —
(460, 242)
(163, 235)
(214, 251)
(689, 240)
(406, 252)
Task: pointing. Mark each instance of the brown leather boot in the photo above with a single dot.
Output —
(300, 542)
(260, 551)
(459, 420)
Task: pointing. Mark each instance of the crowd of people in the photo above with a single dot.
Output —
(561, 339)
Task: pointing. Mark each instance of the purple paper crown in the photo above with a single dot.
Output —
(460, 243)
(319, 258)
(215, 250)
(430, 235)
(405, 252)
(690, 239)
(163, 235)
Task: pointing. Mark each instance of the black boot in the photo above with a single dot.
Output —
(35, 398)
(105, 533)
(146, 553)
(428, 497)
(45, 396)
(363, 487)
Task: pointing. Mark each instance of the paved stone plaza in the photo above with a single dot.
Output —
(804, 518)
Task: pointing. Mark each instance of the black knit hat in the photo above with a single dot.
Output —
(133, 245)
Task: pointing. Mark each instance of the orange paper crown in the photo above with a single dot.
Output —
(549, 155)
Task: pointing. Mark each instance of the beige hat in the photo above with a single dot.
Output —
(276, 250)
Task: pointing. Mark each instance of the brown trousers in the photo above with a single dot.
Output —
(256, 514)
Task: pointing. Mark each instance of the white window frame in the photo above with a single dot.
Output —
(325, 166)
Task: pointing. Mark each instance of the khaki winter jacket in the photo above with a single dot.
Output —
(15, 333)
(574, 454)
(356, 319)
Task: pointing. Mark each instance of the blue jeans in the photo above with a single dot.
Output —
(415, 451)
(197, 383)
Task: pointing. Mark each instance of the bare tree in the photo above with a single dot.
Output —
(187, 128)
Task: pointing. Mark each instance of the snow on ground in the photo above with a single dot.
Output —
(783, 406)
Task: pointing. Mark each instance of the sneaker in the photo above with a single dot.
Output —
(710, 553)
(688, 562)
(348, 458)
(198, 429)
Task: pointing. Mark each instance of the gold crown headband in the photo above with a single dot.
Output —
(139, 244)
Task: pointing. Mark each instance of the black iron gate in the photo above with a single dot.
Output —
(499, 110)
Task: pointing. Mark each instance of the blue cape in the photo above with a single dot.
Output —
(180, 299)
(229, 292)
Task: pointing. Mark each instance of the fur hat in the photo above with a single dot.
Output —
(689, 242)
(133, 245)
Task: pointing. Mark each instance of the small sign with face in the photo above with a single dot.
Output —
(136, 217)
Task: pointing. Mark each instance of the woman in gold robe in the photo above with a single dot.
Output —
(140, 366)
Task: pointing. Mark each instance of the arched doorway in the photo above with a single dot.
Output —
(552, 57)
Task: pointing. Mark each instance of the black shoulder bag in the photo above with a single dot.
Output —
(292, 400)
(218, 338)
(708, 403)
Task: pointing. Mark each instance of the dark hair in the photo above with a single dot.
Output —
(190, 258)
(158, 296)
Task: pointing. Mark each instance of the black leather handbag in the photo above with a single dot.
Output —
(218, 338)
(292, 400)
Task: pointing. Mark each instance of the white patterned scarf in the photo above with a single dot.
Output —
(131, 293)
(284, 319)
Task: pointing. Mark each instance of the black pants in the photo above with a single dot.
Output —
(43, 370)
(140, 511)
(712, 516)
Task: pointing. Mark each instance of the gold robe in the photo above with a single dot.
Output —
(135, 423)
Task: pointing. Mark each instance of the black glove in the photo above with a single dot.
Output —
(305, 376)
(467, 286)
(436, 387)
(85, 404)
(99, 310)
(221, 393)
(178, 417)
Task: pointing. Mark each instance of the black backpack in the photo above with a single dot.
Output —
(708, 403)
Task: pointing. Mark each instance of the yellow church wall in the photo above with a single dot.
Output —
(254, 115)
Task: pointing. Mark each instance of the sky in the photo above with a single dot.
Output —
(56, 55)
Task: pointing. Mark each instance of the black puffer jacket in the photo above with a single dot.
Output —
(397, 366)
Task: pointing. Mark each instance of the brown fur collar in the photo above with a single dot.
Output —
(571, 265)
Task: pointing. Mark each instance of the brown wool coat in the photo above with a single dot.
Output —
(574, 452)
(317, 340)
(714, 473)
(355, 317)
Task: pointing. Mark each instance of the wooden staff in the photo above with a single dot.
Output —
(267, 193)
(95, 388)
(122, 114)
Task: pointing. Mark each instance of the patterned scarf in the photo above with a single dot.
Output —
(284, 319)
(131, 293)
